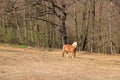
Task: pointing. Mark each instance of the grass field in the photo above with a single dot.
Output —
(35, 64)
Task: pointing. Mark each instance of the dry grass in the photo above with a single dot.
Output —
(31, 64)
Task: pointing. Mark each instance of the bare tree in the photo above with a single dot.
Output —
(75, 18)
(110, 25)
(92, 24)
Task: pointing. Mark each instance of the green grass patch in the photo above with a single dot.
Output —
(19, 46)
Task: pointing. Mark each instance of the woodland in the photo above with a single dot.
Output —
(94, 24)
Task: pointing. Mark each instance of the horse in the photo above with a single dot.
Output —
(69, 49)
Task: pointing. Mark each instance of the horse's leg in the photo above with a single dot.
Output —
(73, 54)
(67, 54)
(63, 53)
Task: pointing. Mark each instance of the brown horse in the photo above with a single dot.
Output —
(70, 49)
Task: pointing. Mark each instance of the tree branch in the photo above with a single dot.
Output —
(45, 21)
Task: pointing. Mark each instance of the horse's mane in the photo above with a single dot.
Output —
(74, 44)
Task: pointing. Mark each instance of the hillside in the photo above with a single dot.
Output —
(34, 64)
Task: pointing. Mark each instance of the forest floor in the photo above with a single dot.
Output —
(36, 64)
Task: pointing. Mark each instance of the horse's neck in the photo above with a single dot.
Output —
(74, 44)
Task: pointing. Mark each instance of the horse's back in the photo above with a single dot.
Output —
(68, 47)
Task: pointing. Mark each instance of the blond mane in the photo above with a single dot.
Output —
(74, 44)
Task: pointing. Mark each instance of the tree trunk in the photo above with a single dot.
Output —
(64, 36)
(110, 26)
(85, 22)
(92, 24)
(18, 27)
(100, 28)
(25, 24)
(75, 19)
(31, 31)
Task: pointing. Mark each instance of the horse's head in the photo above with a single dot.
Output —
(75, 44)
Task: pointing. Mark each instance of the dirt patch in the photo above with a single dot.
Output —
(31, 64)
